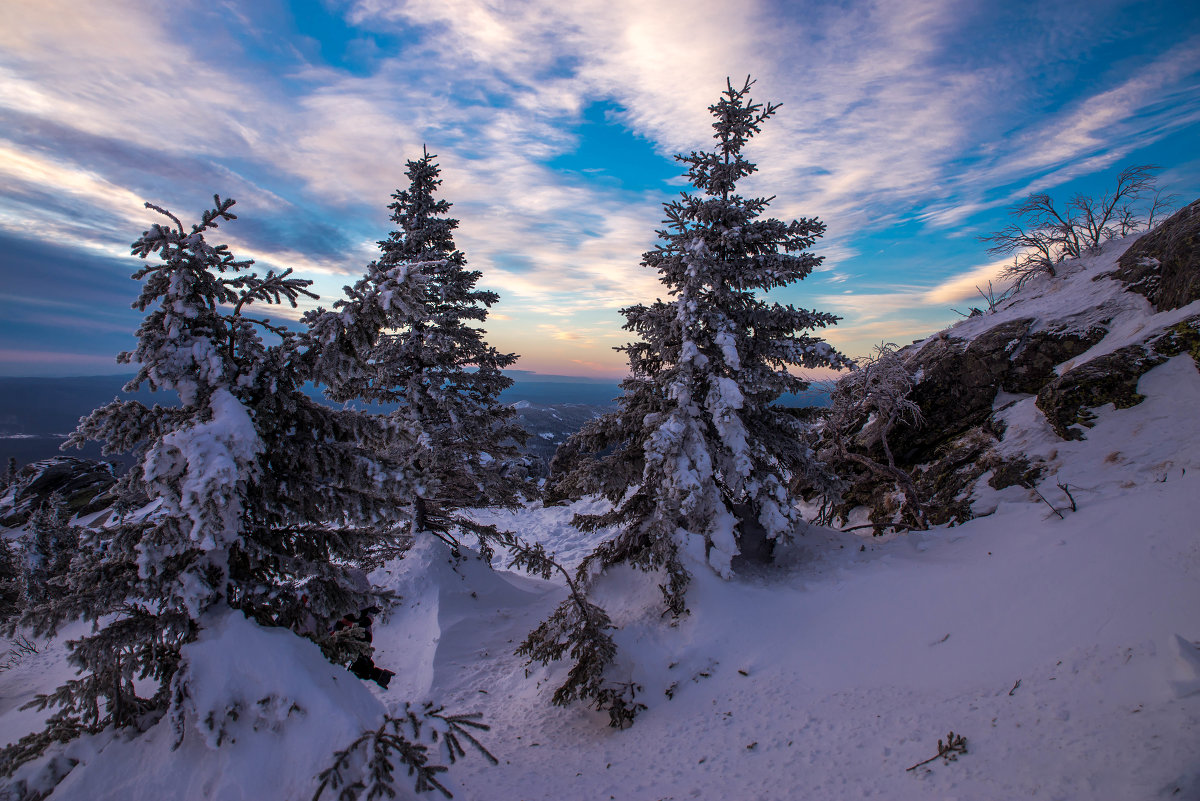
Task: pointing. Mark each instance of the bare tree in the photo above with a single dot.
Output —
(1042, 235)
(865, 406)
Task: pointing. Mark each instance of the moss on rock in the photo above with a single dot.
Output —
(1183, 337)
(1111, 378)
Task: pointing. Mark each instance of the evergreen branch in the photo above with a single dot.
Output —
(165, 213)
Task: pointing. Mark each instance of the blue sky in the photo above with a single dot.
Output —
(908, 127)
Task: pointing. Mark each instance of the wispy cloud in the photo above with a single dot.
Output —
(918, 113)
(967, 285)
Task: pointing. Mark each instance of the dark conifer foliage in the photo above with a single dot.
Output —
(253, 488)
(460, 440)
(50, 544)
(12, 596)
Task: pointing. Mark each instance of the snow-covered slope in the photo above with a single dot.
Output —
(1061, 643)
(1062, 649)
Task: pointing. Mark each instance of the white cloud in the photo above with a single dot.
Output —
(884, 119)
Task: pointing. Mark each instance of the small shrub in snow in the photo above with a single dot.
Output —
(366, 768)
(865, 406)
(948, 751)
(620, 701)
(578, 628)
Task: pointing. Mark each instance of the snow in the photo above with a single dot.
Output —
(1064, 649)
(293, 709)
(857, 662)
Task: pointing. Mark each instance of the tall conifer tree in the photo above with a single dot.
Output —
(257, 493)
(699, 455)
(431, 361)
(698, 458)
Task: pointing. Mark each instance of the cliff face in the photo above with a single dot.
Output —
(1070, 346)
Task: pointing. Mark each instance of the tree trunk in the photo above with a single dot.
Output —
(755, 548)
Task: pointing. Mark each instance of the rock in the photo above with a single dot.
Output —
(1183, 337)
(1164, 264)
(961, 381)
(946, 481)
(1033, 362)
(82, 484)
(1111, 378)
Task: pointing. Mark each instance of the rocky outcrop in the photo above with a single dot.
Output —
(1164, 265)
(1036, 344)
(960, 380)
(82, 484)
(1112, 378)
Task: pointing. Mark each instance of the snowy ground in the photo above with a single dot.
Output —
(1063, 649)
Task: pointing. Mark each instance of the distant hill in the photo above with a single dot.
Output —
(36, 414)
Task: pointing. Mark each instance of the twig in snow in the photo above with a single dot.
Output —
(895, 526)
(1013, 691)
(1066, 488)
(1043, 497)
(948, 752)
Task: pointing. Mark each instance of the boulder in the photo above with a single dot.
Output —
(1164, 264)
(960, 380)
(1113, 378)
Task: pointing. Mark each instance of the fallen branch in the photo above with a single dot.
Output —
(896, 526)
(1052, 508)
(954, 745)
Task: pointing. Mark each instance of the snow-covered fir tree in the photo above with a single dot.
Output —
(698, 435)
(51, 541)
(12, 595)
(429, 360)
(257, 493)
(698, 457)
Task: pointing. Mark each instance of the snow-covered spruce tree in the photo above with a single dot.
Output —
(12, 594)
(50, 544)
(698, 457)
(436, 367)
(252, 486)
